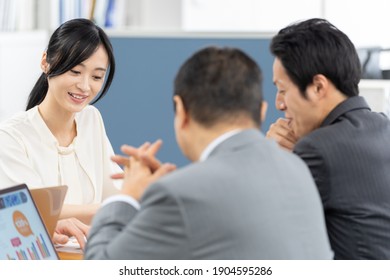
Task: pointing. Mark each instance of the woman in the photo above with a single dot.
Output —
(60, 139)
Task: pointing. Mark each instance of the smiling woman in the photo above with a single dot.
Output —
(60, 139)
(70, 92)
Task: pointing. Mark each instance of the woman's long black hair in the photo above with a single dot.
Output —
(70, 44)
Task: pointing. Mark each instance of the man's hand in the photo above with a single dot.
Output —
(283, 134)
(141, 168)
(146, 152)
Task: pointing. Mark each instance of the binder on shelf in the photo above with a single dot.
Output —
(92, 10)
(24, 15)
(109, 22)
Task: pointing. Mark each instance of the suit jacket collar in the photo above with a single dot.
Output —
(211, 146)
(350, 104)
(237, 141)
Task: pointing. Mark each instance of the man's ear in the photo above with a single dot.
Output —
(263, 110)
(181, 115)
(320, 86)
(44, 63)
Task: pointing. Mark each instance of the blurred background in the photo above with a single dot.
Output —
(151, 39)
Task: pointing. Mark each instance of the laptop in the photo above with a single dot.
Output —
(49, 202)
(23, 233)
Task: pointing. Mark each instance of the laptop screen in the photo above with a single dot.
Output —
(23, 234)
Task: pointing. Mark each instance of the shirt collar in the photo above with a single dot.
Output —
(210, 147)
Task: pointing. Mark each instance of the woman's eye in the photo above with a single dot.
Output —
(75, 72)
(97, 78)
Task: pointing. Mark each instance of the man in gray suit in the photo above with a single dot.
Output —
(345, 145)
(242, 197)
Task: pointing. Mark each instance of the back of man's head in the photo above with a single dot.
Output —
(313, 47)
(220, 85)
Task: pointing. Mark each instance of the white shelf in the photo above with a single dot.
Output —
(377, 94)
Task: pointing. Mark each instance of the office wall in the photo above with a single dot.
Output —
(20, 57)
(139, 105)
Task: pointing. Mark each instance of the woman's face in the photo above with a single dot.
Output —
(76, 88)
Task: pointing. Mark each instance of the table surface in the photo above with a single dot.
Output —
(69, 256)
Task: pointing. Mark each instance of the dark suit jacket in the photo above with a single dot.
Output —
(248, 200)
(349, 158)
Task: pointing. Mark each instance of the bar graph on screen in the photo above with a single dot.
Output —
(37, 250)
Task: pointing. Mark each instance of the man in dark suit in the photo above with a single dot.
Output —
(242, 197)
(346, 146)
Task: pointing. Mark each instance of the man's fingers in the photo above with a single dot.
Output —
(117, 176)
(144, 147)
(129, 150)
(151, 162)
(282, 141)
(285, 129)
(286, 144)
(121, 160)
(135, 152)
(282, 133)
(164, 169)
(276, 132)
(148, 156)
(155, 147)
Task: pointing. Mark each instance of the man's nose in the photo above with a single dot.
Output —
(279, 102)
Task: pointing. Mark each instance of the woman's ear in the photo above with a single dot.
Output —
(44, 63)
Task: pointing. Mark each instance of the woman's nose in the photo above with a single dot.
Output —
(84, 84)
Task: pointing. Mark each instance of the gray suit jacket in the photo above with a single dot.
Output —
(349, 157)
(248, 200)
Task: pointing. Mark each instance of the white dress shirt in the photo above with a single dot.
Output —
(210, 147)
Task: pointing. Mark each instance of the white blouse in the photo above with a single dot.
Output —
(70, 173)
(31, 154)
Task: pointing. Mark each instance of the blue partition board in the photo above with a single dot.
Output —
(139, 107)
